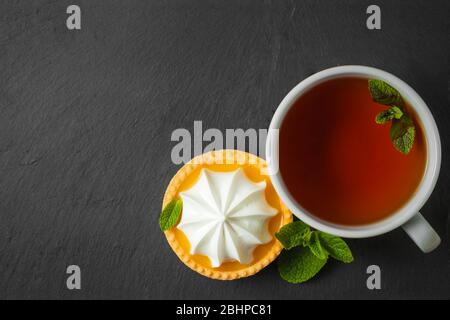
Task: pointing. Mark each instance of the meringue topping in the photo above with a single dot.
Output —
(225, 216)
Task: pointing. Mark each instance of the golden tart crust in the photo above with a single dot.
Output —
(223, 161)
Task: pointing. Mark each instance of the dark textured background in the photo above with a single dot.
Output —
(86, 118)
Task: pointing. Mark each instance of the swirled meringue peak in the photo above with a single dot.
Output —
(225, 216)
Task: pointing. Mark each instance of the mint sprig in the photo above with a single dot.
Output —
(307, 251)
(402, 127)
(170, 214)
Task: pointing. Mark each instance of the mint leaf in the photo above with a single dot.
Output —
(398, 113)
(336, 247)
(402, 134)
(383, 93)
(299, 265)
(384, 116)
(293, 234)
(170, 215)
(316, 247)
(388, 115)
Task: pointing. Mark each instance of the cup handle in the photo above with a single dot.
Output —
(420, 231)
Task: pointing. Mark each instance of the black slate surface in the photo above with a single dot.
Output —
(86, 118)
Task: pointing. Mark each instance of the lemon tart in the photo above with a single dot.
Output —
(229, 217)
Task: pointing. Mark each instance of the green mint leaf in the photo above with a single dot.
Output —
(388, 115)
(299, 265)
(336, 247)
(398, 113)
(293, 234)
(170, 215)
(384, 116)
(316, 247)
(402, 134)
(383, 93)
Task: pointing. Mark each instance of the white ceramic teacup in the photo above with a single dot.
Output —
(408, 216)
